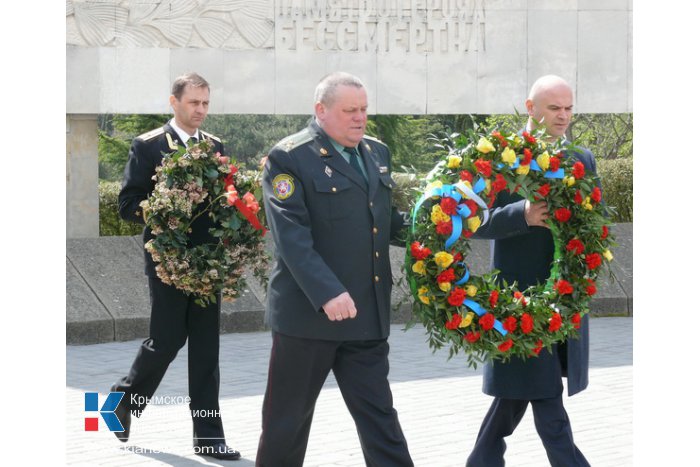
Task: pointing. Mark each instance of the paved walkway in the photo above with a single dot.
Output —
(440, 406)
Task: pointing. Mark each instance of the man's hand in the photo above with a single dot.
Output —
(536, 214)
(340, 308)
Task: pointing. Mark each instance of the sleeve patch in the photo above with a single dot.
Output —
(283, 186)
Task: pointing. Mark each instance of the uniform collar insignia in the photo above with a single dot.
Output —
(171, 144)
(324, 152)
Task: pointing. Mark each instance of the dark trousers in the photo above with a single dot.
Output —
(176, 319)
(552, 424)
(298, 369)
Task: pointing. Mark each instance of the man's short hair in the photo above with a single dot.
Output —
(188, 79)
(327, 87)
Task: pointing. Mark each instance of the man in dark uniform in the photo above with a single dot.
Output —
(175, 318)
(327, 192)
(522, 250)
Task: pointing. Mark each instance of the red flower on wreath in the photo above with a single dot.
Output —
(454, 322)
(472, 336)
(604, 235)
(419, 252)
(483, 166)
(486, 322)
(443, 228)
(448, 275)
(576, 320)
(493, 298)
(519, 296)
(527, 157)
(578, 199)
(499, 184)
(529, 138)
(504, 347)
(538, 347)
(593, 260)
(591, 288)
(526, 323)
(457, 296)
(555, 322)
(578, 171)
(563, 287)
(562, 214)
(554, 162)
(596, 195)
(466, 176)
(544, 190)
(448, 206)
(510, 324)
(473, 207)
(576, 246)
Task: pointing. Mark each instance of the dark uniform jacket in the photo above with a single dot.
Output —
(331, 235)
(524, 254)
(145, 155)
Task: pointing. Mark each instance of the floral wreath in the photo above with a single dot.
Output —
(480, 315)
(194, 182)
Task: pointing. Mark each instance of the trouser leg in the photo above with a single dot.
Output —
(554, 428)
(500, 421)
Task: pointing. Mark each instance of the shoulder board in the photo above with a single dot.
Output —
(295, 140)
(209, 135)
(372, 138)
(151, 134)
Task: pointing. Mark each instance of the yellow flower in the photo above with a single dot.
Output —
(487, 188)
(484, 146)
(445, 286)
(517, 140)
(433, 185)
(453, 162)
(422, 295)
(443, 259)
(587, 203)
(471, 290)
(543, 160)
(419, 267)
(467, 320)
(473, 223)
(508, 156)
(608, 255)
(438, 215)
(523, 170)
(569, 181)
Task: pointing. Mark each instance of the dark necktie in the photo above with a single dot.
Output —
(192, 141)
(355, 162)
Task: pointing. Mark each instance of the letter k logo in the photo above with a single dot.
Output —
(107, 411)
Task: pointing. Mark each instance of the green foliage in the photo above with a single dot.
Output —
(405, 135)
(609, 136)
(110, 222)
(616, 178)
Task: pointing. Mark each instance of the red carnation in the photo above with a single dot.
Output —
(563, 287)
(591, 288)
(596, 195)
(576, 246)
(448, 275)
(544, 190)
(554, 163)
(526, 323)
(527, 157)
(472, 336)
(467, 233)
(519, 296)
(499, 183)
(483, 166)
(555, 322)
(506, 345)
(562, 214)
(419, 252)
(576, 320)
(538, 347)
(604, 235)
(529, 138)
(457, 296)
(578, 170)
(593, 261)
(457, 257)
(578, 199)
(448, 206)
(443, 228)
(493, 298)
(454, 322)
(473, 207)
(486, 321)
(510, 324)
(466, 175)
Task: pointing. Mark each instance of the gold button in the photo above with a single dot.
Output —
(376, 278)
(374, 230)
(334, 189)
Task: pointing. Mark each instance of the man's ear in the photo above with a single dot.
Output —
(529, 105)
(173, 99)
(320, 110)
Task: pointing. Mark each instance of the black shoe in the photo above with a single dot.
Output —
(218, 451)
(124, 415)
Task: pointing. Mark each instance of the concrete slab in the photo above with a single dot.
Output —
(87, 320)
